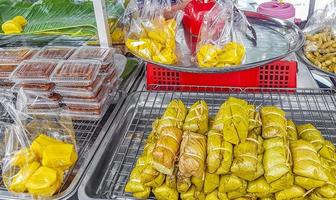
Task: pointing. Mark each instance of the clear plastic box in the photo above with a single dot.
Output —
(6, 84)
(44, 89)
(76, 72)
(90, 91)
(14, 56)
(94, 102)
(54, 52)
(104, 55)
(34, 71)
(6, 70)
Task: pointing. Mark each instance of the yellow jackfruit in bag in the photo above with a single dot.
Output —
(20, 179)
(41, 142)
(44, 182)
(22, 157)
(61, 156)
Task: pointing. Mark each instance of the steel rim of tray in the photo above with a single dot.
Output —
(303, 105)
(298, 44)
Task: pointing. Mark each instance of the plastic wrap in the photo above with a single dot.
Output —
(320, 45)
(39, 150)
(151, 36)
(54, 52)
(220, 43)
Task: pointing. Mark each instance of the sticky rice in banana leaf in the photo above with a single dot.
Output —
(192, 155)
(212, 196)
(230, 183)
(274, 123)
(260, 145)
(157, 181)
(306, 162)
(308, 183)
(183, 183)
(134, 184)
(245, 160)
(276, 159)
(198, 182)
(197, 119)
(232, 120)
(171, 180)
(227, 157)
(259, 187)
(254, 120)
(239, 192)
(165, 193)
(327, 191)
(286, 181)
(309, 133)
(211, 182)
(290, 193)
(328, 170)
(328, 150)
(173, 116)
(166, 149)
(192, 194)
(316, 196)
(214, 148)
(291, 130)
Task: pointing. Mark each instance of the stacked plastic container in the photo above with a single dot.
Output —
(9, 61)
(76, 82)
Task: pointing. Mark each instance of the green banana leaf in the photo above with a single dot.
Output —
(58, 16)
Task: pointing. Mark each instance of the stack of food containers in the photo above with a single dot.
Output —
(75, 82)
(9, 60)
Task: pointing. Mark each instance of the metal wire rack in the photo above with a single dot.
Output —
(107, 177)
(86, 132)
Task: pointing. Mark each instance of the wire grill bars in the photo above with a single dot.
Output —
(107, 177)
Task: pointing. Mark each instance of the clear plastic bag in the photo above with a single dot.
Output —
(39, 149)
(220, 43)
(152, 31)
(320, 33)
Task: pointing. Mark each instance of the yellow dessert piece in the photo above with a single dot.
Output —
(19, 181)
(20, 20)
(61, 156)
(11, 27)
(44, 182)
(41, 142)
(23, 157)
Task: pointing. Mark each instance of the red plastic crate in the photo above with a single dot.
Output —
(278, 74)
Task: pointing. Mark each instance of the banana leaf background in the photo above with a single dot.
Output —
(59, 17)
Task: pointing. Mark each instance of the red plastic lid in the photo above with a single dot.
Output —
(276, 9)
(194, 14)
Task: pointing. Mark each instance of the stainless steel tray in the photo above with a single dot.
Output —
(89, 135)
(276, 39)
(122, 145)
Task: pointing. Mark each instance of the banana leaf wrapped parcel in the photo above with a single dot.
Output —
(173, 116)
(307, 164)
(197, 119)
(227, 157)
(290, 193)
(232, 120)
(240, 192)
(245, 163)
(166, 149)
(211, 182)
(259, 187)
(254, 120)
(274, 122)
(328, 150)
(182, 183)
(276, 162)
(192, 193)
(214, 150)
(309, 133)
(229, 183)
(291, 130)
(192, 155)
(165, 192)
